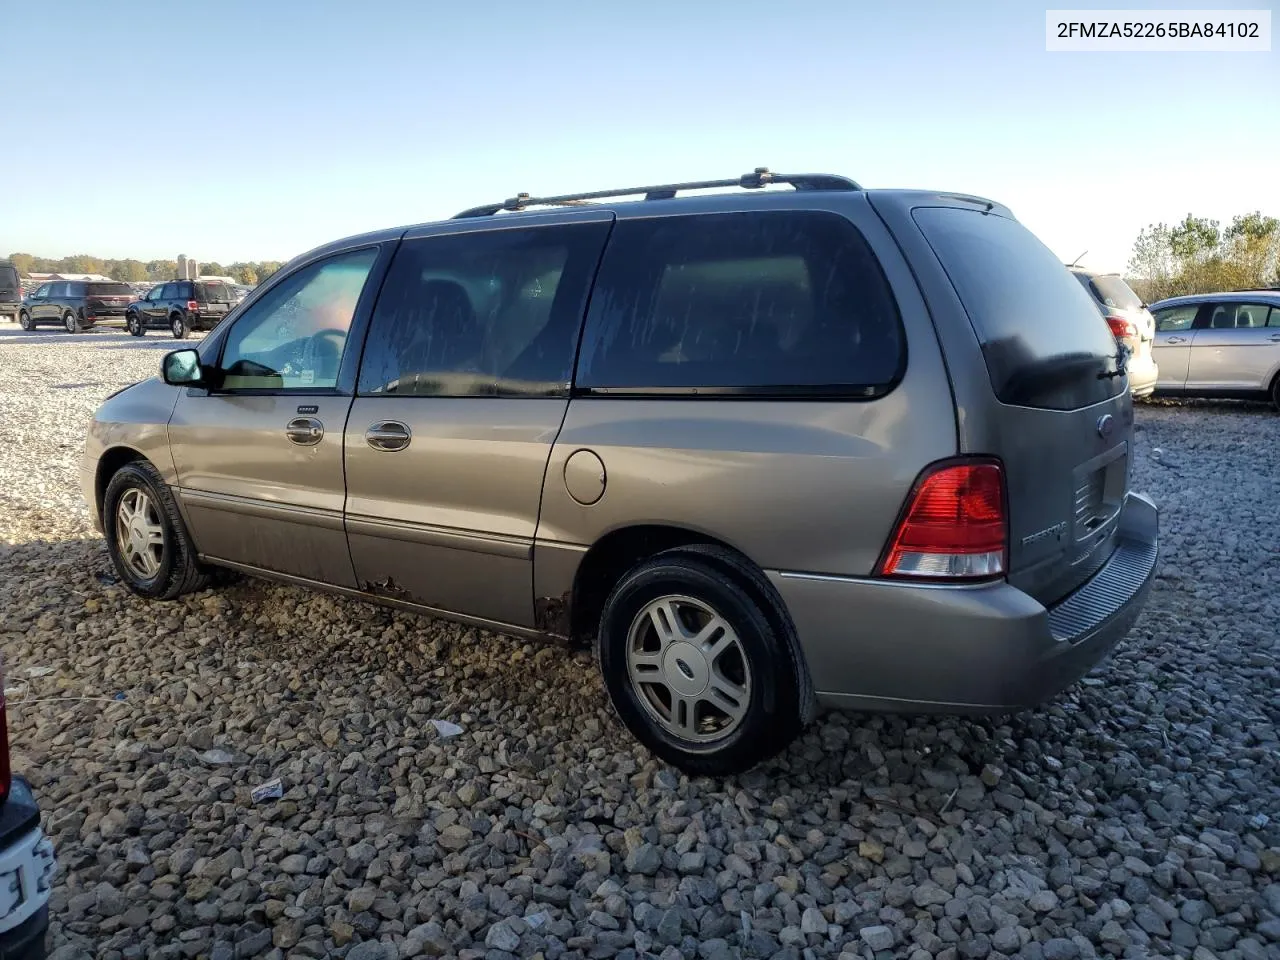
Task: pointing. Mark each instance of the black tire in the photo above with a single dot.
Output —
(1275, 392)
(178, 326)
(135, 325)
(25, 321)
(180, 571)
(71, 323)
(780, 699)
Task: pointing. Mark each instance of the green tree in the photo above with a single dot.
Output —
(162, 269)
(1198, 256)
(1253, 248)
(24, 262)
(1152, 262)
(82, 263)
(266, 268)
(212, 269)
(245, 274)
(130, 271)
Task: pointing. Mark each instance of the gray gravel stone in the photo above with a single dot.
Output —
(1060, 948)
(878, 937)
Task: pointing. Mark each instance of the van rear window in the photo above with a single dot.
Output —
(1045, 343)
(763, 303)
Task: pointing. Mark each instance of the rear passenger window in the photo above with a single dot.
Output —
(762, 303)
(1239, 316)
(491, 313)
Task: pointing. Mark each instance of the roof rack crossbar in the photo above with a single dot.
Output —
(755, 180)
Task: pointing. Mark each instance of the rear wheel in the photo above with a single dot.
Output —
(134, 323)
(25, 321)
(146, 538)
(1275, 392)
(178, 325)
(696, 666)
(71, 323)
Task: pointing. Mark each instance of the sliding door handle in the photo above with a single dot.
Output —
(304, 431)
(388, 435)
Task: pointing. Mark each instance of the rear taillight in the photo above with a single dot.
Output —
(6, 777)
(1121, 328)
(192, 305)
(955, 525)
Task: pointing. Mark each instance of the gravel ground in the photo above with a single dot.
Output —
(1138, 815)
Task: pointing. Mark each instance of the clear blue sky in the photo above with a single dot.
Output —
(260, 129)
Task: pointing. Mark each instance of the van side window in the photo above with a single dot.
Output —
(1172, 319)
(482, 314)
(762, 302)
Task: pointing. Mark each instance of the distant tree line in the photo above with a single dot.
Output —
(1198, 255)
(138, 271)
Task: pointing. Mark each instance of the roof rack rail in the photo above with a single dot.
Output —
(757, 179)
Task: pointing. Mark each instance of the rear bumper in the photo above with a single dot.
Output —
(885, 646)
(1143, 374)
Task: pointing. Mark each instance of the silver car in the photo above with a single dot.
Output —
(1130, 321)
(764, 450)
(1220, 345)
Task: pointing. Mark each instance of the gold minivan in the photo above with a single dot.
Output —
(767, 450)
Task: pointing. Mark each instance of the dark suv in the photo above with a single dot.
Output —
(182, 306)
(10, 291)
(76, 304)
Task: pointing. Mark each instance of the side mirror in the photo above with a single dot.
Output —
(181, 368)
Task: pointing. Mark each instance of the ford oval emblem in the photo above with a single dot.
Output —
(1106, 425)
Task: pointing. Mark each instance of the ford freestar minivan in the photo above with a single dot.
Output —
(765, 449)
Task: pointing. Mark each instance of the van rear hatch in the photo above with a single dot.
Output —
(10, 287)
(1064, 426)
(215, 298)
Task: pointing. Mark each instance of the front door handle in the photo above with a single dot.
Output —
(1176, 340)
(304, 431)
(388, 435)
(1275, 337)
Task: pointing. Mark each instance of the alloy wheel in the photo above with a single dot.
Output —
(688, 669)
(139, 533)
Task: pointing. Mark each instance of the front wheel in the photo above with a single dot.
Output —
(134, 323)
(25, 321)
(178, 325)
(146, 538)
(700, 664)
(71, 323)
(1275, 392)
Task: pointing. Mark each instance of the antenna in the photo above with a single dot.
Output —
(1077, 259)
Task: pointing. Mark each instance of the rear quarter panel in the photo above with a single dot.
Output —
(802, 485)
